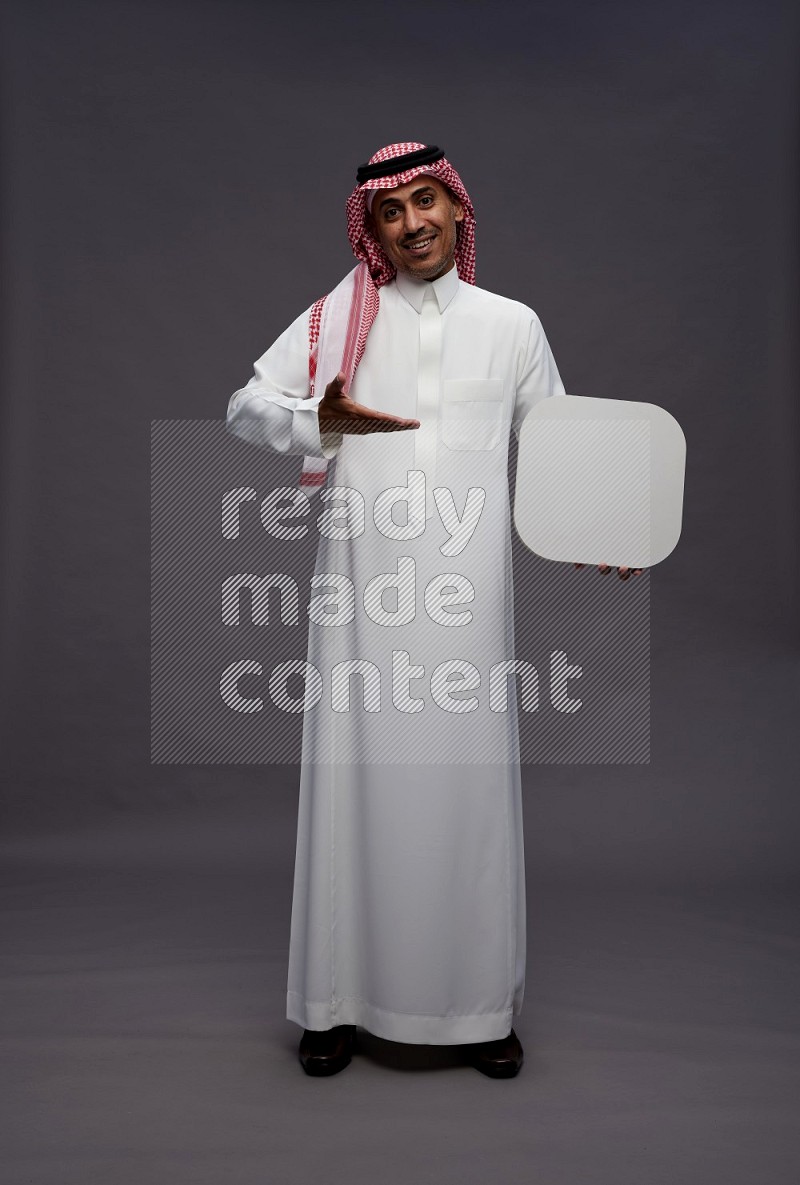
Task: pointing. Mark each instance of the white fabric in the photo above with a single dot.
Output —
(408, 915)
(428, 387)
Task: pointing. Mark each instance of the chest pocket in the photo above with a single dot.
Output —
(472, 414)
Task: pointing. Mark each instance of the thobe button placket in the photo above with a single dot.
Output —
(430, 352)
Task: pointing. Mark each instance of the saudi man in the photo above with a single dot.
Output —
(400, 390)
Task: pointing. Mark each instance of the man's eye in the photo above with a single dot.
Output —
(426, 200)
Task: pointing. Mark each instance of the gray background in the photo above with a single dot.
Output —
(173, 184)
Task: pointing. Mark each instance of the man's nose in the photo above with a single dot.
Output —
(414, 220)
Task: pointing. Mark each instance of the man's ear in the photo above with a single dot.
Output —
(370, 223)
(458, 210)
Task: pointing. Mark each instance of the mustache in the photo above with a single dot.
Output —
(427, 234)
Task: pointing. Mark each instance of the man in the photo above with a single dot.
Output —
(408, 914)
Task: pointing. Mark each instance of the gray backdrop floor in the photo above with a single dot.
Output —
(144, 1039)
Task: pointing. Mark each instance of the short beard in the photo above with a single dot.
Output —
(433, 271)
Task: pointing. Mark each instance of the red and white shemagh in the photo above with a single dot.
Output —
(340, 322)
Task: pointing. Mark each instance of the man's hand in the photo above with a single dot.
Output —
(339, 413)
(624, 573)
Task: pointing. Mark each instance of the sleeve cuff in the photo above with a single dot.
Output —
(306, 436)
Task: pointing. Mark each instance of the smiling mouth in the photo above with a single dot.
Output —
(420, 246)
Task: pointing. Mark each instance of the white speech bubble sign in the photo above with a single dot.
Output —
(600, 481)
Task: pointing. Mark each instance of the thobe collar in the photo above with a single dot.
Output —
(414, 291)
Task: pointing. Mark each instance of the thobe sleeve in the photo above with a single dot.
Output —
(275, 410)
(537, 373)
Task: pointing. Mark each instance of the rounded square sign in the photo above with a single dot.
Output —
(600, 481)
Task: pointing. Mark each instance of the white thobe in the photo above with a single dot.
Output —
(408, 915)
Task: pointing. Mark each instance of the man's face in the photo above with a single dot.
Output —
(416, 226)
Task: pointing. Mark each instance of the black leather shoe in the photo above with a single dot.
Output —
(498, 1059)
(326, 1051)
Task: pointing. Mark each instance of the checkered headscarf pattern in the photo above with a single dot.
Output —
(363, 311)
(314, 322)
(378, 266)
(367, 248)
